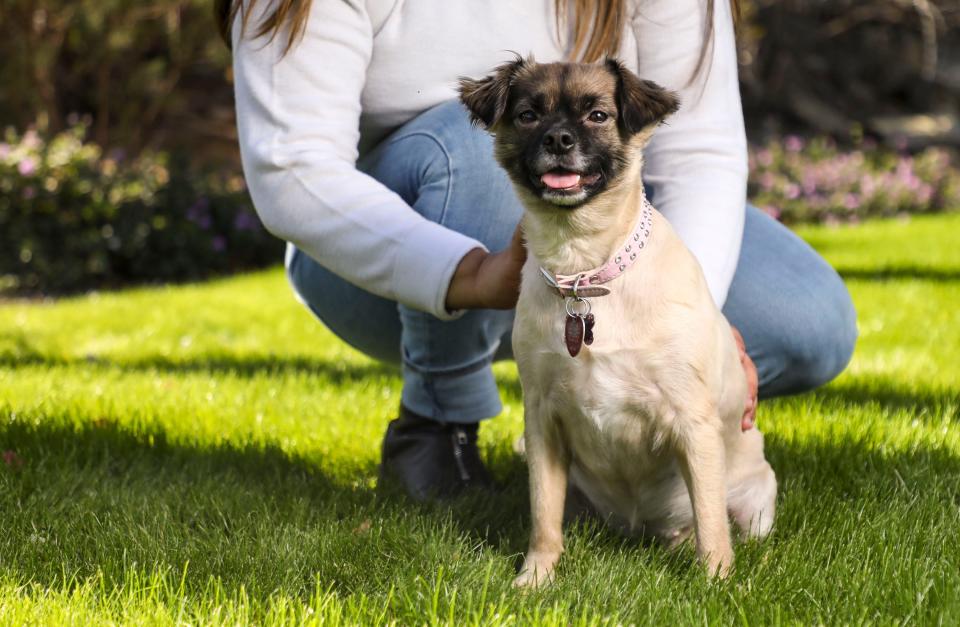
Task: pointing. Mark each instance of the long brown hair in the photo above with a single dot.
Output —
(598, 25)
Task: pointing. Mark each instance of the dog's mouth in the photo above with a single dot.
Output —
(566, 180)
(562, 183)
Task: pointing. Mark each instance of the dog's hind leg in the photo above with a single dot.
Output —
(548, 462)
(702, 463)
(752, 502)
(751, 485)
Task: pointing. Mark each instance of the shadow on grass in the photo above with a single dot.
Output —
(185, 490)
(891, 395)
(16, 351)
(241, 500)
(247, 366)
(901, 273)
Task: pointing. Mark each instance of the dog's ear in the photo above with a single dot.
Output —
(486, 98)
(641, 103)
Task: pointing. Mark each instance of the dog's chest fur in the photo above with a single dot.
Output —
(616, 403)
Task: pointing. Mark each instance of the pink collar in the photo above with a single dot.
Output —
(587, 283)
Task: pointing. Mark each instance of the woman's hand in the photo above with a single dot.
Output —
(749, 369)
(488, 280)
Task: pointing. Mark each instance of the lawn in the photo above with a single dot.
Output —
(208, 454)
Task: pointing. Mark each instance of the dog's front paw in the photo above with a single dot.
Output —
(537, 570)
(719, 563)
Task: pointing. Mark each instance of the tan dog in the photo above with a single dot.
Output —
(645, 418)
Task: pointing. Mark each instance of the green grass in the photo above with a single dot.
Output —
(208, 454)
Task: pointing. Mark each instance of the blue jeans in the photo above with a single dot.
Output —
(792, 308)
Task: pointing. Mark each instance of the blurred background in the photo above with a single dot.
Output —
(119, 162)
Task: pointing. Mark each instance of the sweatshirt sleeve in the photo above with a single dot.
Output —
(298, 118)
(696, 162)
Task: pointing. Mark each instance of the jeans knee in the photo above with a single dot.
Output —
(819, 354)
(444, 168)
(837, 350)
(449, 128)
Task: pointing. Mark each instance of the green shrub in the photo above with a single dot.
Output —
(144, 70)
(73, 218)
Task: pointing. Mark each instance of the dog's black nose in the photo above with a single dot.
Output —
(559, 140)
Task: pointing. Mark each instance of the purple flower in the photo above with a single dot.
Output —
(199, 213)
(793, 143)
(219, 243)
(246, 221)
(29, 192)
(850, 201)
(27, 167)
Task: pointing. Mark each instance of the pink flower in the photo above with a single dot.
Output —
(4, 149)
(792, 191)
(31, 139)
(27, 167)
(793, 143)
(850, 201)
(12, 460)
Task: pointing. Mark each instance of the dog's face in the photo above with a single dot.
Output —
(563, 130)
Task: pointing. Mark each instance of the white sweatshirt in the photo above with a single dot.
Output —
(365, 67)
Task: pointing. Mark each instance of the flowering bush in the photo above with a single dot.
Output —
(74, 218)
(799, 181)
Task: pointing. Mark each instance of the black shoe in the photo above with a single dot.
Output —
(432, 459)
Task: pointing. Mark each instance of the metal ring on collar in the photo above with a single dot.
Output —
(570, 306)
(576, 285)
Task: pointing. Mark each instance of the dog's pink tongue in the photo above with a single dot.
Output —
(560, 181)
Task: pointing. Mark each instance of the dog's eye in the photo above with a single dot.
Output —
(597, 116)
(526, 117)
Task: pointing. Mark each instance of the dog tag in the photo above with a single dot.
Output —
(588, 322)
(573, 333)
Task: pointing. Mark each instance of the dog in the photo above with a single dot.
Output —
(633, 388)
